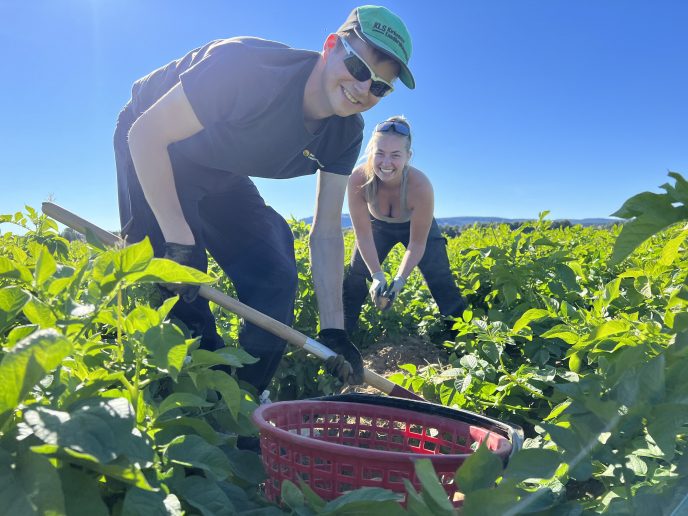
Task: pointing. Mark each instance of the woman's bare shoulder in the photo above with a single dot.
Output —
(358, 176)
(418, 182)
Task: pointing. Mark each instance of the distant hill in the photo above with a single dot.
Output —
(469, 221)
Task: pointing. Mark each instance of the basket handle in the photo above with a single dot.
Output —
(235, 306)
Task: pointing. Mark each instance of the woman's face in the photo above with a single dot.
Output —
(390, 156)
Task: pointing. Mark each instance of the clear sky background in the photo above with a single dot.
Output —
(521, 105)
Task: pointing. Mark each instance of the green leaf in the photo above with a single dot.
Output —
(226, 385)
(45, 266)
(566, 275)
(637, 465)
(291, 495)
(564, 438)
(532, 463)
(311, 497)
(37, 312)
(505, 499)
(13, 270)
(651, 214)
(12, 300)
(432, 492)
(206, 496)
(643, 285)
(415, 504)
(247, 466)
(195, 452)
(27, 363)
(611, 328)
(139, 502)
(166, 307)
(664, 424)
(141, 319)
(672, 248)
(167, 271)
(363, 501)
(133, 258)
(558, 410)
(182, 399)
(19, 333)
(81, 493)
(96, 430)
(29, 486)
(479, 471)
(168, 347)
(171, 428)
(563, 332)
(234, 357)
(534, 314)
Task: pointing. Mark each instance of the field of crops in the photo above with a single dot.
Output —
(578, 335)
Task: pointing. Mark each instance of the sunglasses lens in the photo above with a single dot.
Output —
(379, 89)
(396, 127)
(357, 68)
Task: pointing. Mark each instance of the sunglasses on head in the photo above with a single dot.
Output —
(360, 71)
(397, 127)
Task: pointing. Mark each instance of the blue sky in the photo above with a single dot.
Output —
(521, 106)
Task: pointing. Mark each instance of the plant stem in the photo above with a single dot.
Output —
(519, 382)
(119, 321)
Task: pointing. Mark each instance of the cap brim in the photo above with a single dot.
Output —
(405, 75)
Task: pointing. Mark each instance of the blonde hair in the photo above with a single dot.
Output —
(368, 167)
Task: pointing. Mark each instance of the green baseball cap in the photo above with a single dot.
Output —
(381, 28)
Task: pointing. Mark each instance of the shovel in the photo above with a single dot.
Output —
(261, 320)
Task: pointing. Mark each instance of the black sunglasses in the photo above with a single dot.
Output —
(360, 71)
(390, 125)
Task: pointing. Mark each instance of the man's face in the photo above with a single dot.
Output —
(347, 95)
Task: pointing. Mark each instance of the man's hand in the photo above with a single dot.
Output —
(393, 291)
(377, 289)
(348, 364)
(181, 254)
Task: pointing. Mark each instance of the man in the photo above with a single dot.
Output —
(197, 128)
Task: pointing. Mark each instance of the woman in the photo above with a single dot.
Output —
(389, 202)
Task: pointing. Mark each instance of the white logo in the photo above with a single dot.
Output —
(312, 157)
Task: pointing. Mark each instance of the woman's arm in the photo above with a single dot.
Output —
(360, 219)
(421, 202)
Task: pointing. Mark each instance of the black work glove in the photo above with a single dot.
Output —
(348, 364)
(181, 254)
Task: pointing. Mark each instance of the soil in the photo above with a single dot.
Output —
(386, 356)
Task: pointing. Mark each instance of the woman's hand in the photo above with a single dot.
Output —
(377, 289)
(393, 290)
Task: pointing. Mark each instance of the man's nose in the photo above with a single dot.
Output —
(362, 87)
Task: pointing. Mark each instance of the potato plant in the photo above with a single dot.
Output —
(579, 335)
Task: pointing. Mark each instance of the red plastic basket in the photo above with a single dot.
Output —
(338, 446)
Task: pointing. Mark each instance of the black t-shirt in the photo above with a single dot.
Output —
(248, 94)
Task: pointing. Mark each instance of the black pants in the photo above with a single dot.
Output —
(434, 266)
(249, 240)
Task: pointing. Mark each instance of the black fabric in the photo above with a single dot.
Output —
(250, 241)
(248, 94)
(183, 255)
(434, 266)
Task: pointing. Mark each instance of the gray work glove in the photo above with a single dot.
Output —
(181, 254)
(348, 364)
(377, 289)
(393, 290)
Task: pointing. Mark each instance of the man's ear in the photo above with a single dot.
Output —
(330, 44)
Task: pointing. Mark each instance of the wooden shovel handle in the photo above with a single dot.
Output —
(235, 306)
